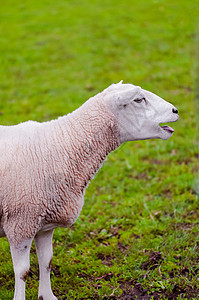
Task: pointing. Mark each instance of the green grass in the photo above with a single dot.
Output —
(54, 56)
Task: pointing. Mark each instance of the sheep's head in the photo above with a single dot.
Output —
(139, 112)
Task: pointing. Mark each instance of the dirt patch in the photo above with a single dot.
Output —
(115, 231)
(137, 292)
(122, 248)
(106, 277)
(132, 290)
(167, 193)
(186, 226)
(197, 155)
(135, 236)
(55, 270)
(156, 161)
(106, 259)
(141, 176)
(154, 260)
(186, 161)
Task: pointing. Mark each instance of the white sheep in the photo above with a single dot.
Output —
(46, 167)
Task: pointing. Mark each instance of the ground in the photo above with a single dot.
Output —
(137, 235)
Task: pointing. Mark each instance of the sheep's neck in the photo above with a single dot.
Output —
(90, 133)
(75, 148)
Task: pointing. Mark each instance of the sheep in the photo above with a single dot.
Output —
(46, 167)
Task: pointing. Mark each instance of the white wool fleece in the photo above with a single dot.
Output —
(45, 168)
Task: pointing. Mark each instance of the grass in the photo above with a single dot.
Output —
(137, 235)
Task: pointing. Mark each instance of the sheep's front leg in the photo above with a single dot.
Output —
(43, 242)
(21, 263)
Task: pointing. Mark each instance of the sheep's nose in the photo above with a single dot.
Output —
(174, 110)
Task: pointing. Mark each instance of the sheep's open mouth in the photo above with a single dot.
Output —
(167, 128)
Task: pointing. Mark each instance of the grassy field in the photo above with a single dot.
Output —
(137, 235)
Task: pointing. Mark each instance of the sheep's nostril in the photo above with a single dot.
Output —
(174, 110)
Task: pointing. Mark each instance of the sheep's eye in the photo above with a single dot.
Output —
(139, 100)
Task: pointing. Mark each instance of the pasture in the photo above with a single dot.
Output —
(137, 235)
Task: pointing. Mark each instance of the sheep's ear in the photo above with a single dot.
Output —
(109, 88)
(112, 86)
(119, 83)
(125, 97)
